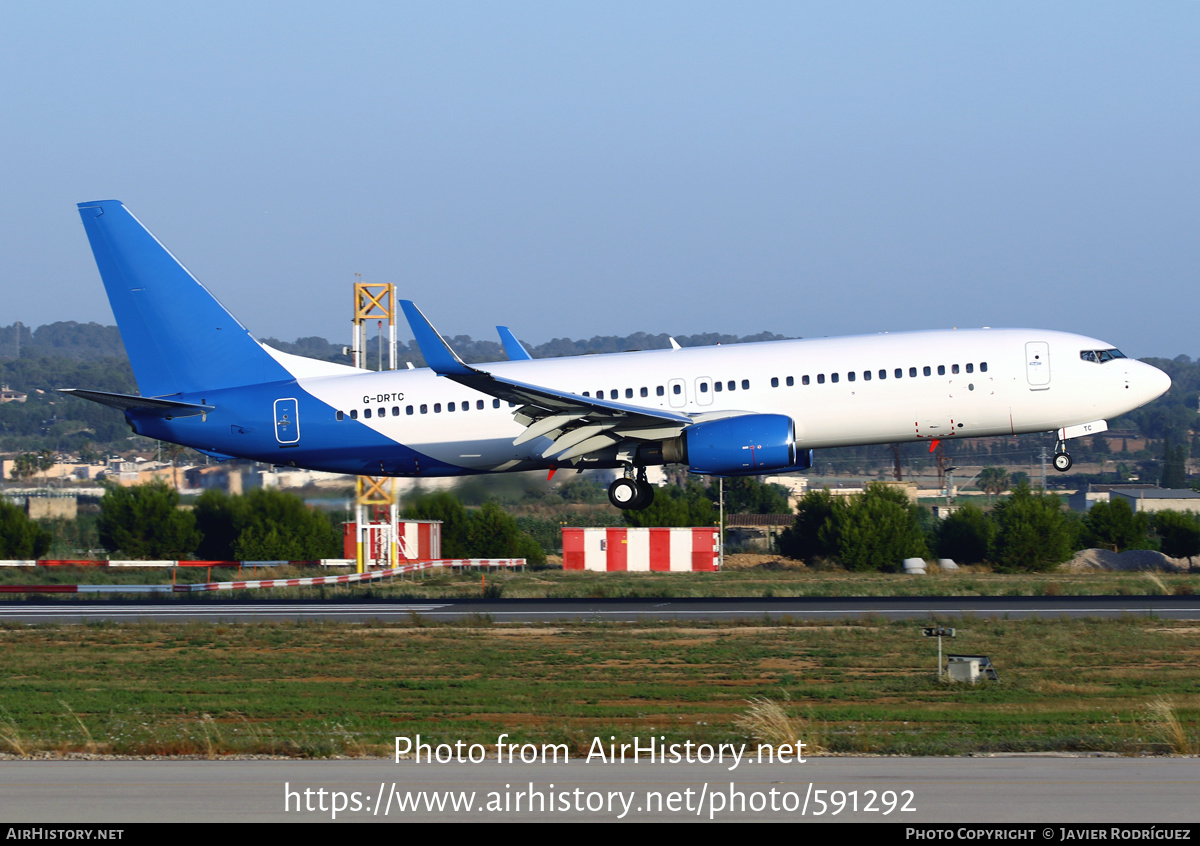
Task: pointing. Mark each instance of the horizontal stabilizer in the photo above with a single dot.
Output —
(147, 405)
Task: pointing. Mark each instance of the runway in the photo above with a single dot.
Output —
(1036, 790)
(802, 609)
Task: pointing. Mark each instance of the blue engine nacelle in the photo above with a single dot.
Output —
(739, 446)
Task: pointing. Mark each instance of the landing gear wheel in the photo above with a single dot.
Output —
(625, 494)
(1062, 462)
(646, 494)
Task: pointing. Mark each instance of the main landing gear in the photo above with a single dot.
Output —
(630, 492)
(1062, 458)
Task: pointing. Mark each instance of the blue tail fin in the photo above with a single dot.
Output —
(179, 338)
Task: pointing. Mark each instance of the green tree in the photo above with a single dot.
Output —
(1114, 525)
(1179, 534)
(674, 505)
(802, 540)
(493, 533)
(21, 537)
(875, 530)
(992, 481)
(145, 522)
(264, 525)
(966, 535)
(1174, 472)
(444, 506)
(1032, 533)
(748, 495)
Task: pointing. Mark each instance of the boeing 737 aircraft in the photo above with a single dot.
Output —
(744, 409)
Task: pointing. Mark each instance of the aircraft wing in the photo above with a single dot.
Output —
(151, 405)
(576, 424)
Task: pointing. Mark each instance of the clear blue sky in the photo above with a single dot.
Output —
(576, 169)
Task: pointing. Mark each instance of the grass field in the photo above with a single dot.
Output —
(337, 689)
(770, 581)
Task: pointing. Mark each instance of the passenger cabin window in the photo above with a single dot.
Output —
(495, 403)
(677, 389)
(479, 405)
(900, 373)
(629, 393)
(867, 375)
(970, 368)
(912, 373)
(704, 387)
(849, 376)
(354, 414)
(659, 391)
(941, 370)
(645, 392)
(983, 367)
(803, 380)
(820, 378)
(882, 374)
(774, 381)
(408, 409)
(437, 408)
(954, 368)
(718, 386)
(383, 412)
(449, 406)
(927, 371)
(790, 381)
(745, 384)
(424, 408)
(833, 377)
(367, 413)
(732, 385)
(340, 416)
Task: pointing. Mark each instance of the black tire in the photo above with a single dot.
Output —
(624, 494)
(646, 493)
(1062, 462)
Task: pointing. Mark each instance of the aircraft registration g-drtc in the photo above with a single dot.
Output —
(736, 410)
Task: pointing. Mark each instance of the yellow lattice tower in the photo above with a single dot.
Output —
(374, 301)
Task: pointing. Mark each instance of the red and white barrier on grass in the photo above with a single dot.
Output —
(646, 550)
(253, 584)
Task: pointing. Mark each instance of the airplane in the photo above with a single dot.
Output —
(746, 409)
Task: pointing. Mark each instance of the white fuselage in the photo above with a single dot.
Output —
(839, 391)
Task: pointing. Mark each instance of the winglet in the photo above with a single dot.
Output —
(515, 349)
(438, 355)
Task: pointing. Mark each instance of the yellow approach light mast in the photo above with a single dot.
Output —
(376, 511)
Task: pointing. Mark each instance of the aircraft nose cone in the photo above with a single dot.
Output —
(1161, 382)
(1153, 381)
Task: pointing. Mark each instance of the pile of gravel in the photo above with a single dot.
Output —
(1133, 560)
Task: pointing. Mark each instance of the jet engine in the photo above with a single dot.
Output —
(738, 446)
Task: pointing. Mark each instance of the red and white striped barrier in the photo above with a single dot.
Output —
(252, 584)
(93, 562)
(644, 550)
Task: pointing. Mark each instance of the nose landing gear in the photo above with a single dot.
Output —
(1062, 458)
(630, 492)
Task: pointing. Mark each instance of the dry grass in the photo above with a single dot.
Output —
(767, 722)
(10, 735)
(1158, 583)
(89, 745)
(1162, 720)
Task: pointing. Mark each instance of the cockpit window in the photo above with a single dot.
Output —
(1100, 356)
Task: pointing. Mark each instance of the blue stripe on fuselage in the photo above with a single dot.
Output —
(243, 426)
